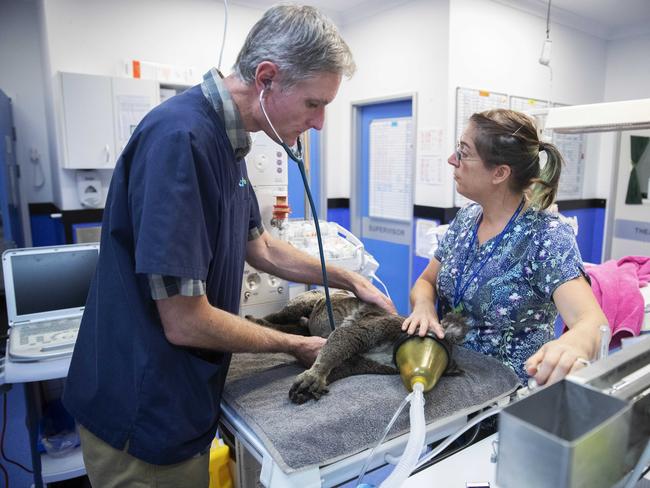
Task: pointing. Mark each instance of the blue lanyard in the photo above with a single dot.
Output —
(459, 291)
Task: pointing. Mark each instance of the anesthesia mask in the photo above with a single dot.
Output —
(421, 359)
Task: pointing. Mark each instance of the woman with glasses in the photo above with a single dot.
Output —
(506, 263)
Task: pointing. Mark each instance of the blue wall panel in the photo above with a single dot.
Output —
(591, 227)
(296, 192)
(419, 264)
(47, 231)
(297, 198)
(339, 215)
(315, 170)
(391, 271)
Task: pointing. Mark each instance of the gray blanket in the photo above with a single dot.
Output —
(357, 409)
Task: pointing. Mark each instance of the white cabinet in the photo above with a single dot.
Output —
(97, 116)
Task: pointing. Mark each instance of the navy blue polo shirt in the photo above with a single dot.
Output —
(179, 205)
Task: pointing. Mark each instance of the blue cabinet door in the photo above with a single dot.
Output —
(12, 231)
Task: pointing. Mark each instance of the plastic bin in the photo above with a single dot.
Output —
(220, 476)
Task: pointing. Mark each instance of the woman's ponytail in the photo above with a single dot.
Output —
(544, 189)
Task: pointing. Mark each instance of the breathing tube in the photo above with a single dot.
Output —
(297, 157)
(421, 362)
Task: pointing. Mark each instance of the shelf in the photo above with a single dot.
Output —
(62, 468)
(24, 372)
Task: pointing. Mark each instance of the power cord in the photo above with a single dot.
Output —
(5, 475)
(545, 56)
(225, 30)
(5, 389)
(375, 277)
(444, 455)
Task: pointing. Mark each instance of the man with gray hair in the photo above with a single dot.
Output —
(161, 322)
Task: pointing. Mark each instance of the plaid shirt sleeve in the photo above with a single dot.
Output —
(255, 232)
(169, 286)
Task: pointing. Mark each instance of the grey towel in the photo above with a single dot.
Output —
(354, 414)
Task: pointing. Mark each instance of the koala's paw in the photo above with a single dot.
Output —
(307, 386)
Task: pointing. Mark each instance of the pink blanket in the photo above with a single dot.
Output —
(616, 287)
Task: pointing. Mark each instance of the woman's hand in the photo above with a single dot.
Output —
(575, 348)
(424, 319)
(554, 360)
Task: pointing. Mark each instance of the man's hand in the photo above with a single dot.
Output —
(364, 290)
(306, 349)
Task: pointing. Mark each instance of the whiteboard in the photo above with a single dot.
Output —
(431, 159)
(391, 168)
(572, 148)
(470, 101)
(523, 104)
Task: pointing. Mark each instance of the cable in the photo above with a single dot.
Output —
(545, 55)
(362, 473)
(640, 466)
(5, 475)
(375, 277)
(2, 437)
(225, 30)
(444, 456)
(441, 447)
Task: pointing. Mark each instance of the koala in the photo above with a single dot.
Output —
(362, 342)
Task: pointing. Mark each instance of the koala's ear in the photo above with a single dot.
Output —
(455, 327)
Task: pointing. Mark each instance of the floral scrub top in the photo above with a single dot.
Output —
(508, 304)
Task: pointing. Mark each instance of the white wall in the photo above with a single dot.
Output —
(21, 78)
(177, 32)
(403, 50)
(432, 47)
(627, 77)
(496, 48)
(423, 46)
(628, 69)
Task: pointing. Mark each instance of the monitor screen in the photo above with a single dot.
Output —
(45, 282)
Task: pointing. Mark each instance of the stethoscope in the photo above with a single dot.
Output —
(297, 156)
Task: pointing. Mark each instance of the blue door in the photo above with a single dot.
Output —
(11, 224)
(389, 241)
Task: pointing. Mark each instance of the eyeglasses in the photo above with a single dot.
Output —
(459, 155)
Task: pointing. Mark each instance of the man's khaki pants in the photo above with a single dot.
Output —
(111, 468)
